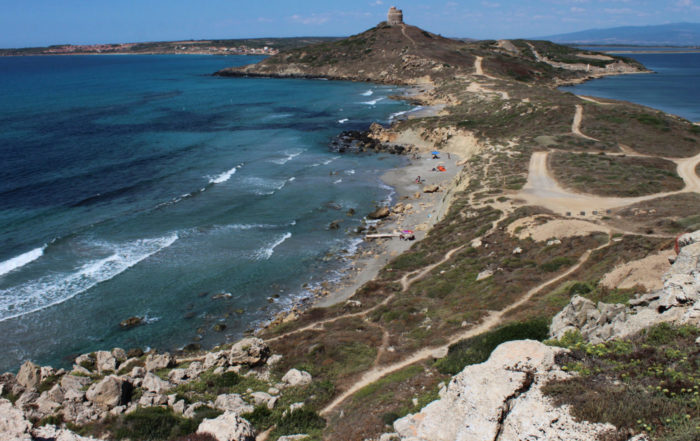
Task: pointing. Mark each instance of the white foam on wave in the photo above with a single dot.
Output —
(343, 121)
(338, 181)
(223, 177)
(21, 260)
(372, 102)
(289, 156)
(263, 186)
(367, 93)
(349, 172)
(393, 116)
(55, 288)
(266, 253)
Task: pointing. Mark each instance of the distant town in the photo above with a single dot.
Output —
(259, 46)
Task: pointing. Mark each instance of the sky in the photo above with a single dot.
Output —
(25, 23)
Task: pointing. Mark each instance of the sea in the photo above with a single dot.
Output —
(143, 186)
(673, 87)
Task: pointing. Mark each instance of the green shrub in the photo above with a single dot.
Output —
(300, 421)
(261, 417)
(478, 349)
(47, 383)
(153, 423)
(555, 264)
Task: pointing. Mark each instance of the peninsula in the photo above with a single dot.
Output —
(559, 223)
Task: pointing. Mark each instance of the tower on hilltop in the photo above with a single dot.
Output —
(394, 17)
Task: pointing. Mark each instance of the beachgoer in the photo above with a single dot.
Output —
(435, 157)
(418, 180)
(448, 156)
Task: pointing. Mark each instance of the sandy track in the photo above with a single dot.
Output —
(405, 34)
(543, 190)
(492, 320)
(592, 100)
(576, 124)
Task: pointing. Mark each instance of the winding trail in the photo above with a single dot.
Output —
(543, 190)
(576, 124)
(489, 322)
(405, 34)
(593, 100)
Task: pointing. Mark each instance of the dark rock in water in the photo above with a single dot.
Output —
(334, 225)
(219, 327)
(379, 213)
(354, 141)
(202, 294)
(192, 347)
(189, 315)
(134, 353)
(350, 212)
(223, 295)
(131, 322)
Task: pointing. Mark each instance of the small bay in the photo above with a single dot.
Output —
(674, 87)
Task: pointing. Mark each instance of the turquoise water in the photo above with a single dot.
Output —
(674, 87)
(143, 186)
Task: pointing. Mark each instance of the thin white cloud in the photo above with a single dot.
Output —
(313, 19)
(576, 10)
(491, 4)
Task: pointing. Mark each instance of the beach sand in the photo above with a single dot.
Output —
(426, 211)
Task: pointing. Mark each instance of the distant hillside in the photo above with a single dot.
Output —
(675, 34)
(244, 46)
(405, 54)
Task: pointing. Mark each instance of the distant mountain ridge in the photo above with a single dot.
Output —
(674, 34)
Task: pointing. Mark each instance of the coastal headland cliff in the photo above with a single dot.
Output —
(557, 223)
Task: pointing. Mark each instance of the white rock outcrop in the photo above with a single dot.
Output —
(228, 427)
(295, 377)
(677, 302)
(500, 399)
(232, 403)
(250, 351)
(13, 424)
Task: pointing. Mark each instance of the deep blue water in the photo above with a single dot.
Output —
(673, 88)
(143, 186)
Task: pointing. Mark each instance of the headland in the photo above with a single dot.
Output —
(558, 224)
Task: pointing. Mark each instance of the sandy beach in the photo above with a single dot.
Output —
(425, 211)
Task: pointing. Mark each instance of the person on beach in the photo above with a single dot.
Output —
(448, 155)
(418, 180)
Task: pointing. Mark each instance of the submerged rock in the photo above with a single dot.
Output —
(131, 322)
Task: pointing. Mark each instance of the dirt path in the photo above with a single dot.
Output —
(686, 170)
(543, 190)
(576, 124)
(592, 100)
(492, 320)
(406, 282)
(405, 34)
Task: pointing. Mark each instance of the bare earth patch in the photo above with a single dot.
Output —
(645, 272)
(542, 228)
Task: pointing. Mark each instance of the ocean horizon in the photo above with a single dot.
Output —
(143, 186)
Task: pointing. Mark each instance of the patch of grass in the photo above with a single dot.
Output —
(395, 377)
(648, 383)
(556, 264)
(48, 383)
(152, 423)
(478, 349)
(299, 421)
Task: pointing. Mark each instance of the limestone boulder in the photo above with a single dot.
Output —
(500, 399)
(50, 432)
(295, 377)
(13, 424)
(228, 427)
(105, 362)
(379, 213)
(249, 351)
(215, 359)
(29, 375)
(159, 361)
(112, 391)
(233, 403)
(264, 399)
(153, 383)
(73, 387)
(431, 189)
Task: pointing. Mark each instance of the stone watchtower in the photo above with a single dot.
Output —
(394, 17)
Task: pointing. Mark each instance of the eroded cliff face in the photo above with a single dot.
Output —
(677, 302)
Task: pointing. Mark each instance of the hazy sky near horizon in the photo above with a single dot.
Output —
(43, 22)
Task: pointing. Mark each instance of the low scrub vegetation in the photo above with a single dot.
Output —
(648, 383)
(478, 349)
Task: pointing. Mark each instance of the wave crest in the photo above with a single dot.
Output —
(21, 260)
